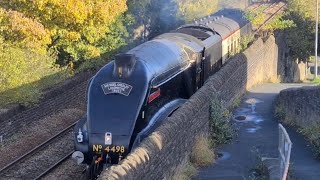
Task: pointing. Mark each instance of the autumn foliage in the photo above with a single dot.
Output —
(37, 36)
(75, 27)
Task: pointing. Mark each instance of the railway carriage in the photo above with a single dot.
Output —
(131, 96)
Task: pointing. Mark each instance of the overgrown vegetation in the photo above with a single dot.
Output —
(186, 173)
(313, 135)
(220, 128)
(256, 17)
(316, 81)
(221, 132)
(202, 155)
(245, 42)
(259, 172)
(278, 22)
(279, 112)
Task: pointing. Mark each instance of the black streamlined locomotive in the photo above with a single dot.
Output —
(131, 96)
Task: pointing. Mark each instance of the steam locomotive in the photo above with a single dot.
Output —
(131, 96)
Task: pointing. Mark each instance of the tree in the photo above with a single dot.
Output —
(193, 9)
(23, 57)
(301, 37)
(23, 32)
(153, 17)
(76, 27)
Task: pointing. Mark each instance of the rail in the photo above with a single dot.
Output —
(53, 166)
(36, 149)
(284, 148)
(272, 15)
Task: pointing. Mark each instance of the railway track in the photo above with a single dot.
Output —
(271, 12)
(54, 166)
(42, 159)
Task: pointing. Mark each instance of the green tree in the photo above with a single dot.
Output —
(301, 37)
(279, 23)
(193, 9)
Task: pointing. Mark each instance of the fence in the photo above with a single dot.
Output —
(285, 146)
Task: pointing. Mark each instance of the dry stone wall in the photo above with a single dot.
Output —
(159, 155)
(301, 106)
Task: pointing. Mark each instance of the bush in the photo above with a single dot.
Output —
(193, 9)
(220, 128)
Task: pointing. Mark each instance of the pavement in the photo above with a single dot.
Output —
(257, 137)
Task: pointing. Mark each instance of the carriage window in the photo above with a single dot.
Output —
(231, 48)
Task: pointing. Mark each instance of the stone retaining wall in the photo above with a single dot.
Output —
(300, 106)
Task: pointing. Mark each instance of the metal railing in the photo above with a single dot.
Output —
(284, 148)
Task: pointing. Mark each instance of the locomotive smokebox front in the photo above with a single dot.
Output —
(115, 97)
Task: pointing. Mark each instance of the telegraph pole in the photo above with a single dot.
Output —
(316, 43)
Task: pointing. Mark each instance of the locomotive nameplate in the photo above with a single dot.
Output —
(116, 88)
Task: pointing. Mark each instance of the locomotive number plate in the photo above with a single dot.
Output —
(114, 149)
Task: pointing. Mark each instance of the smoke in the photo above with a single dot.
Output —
(154, 17)
(238, 4)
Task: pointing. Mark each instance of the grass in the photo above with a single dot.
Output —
(260, 172)
(202, 154)
(187, 172)
(236, 103)
(313, 135)
(279, 112)
(316, 81)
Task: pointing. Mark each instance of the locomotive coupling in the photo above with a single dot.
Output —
(78, 157)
